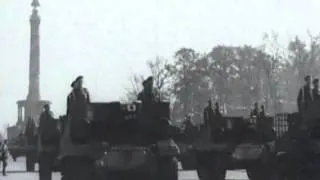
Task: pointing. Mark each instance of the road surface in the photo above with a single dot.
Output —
(16, 170)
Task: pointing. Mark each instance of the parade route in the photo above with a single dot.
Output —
(16, 170)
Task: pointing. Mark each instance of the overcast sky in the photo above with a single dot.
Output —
(106, 40)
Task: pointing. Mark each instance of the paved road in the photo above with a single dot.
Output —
(16, 170)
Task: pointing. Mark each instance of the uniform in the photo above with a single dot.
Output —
(315, 90)
(149, 97)
(255, 111)
(208, 115)
(77, 110)
(76, 152)
(305, 98)
(32, 140)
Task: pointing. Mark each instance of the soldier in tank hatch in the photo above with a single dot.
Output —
(305, 96)
(149, 94)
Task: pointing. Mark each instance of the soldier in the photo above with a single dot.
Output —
(213, 169)
(149, 94)
(305, 95)
(31, 139)
(80, 95)
(217, 110)
(48, 144)
(208, 114)
(77, 158)
(262, 111)
(77, 111)
(4, 156)
(255, 111)
(315, 90)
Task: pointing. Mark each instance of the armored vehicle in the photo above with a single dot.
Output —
(23, 143)
(241, 144)
(140, 143)
(15, 142)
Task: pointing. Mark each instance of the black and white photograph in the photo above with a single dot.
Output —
(159, 90)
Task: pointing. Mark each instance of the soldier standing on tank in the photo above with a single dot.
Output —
(315, 90)
(149, 94)
(217, 110)
(255, 111)
(262, 111)
(49, 143)
(208, 115)
(213, 169)
(77, 158)
(4, 156)
(305, 96)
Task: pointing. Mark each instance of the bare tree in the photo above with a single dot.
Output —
(158, 69)
(161, 75)
(132, 92)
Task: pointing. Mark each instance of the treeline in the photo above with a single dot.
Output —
(235, 76)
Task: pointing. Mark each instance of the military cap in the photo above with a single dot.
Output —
(315, 81)
(76, 80)
(149, 79)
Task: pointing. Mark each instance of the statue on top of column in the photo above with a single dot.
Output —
(35, 3)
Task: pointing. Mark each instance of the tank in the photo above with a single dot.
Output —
(15, 142)
(240, 143)
(23, 144)
(140, 144)
(296, 134)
